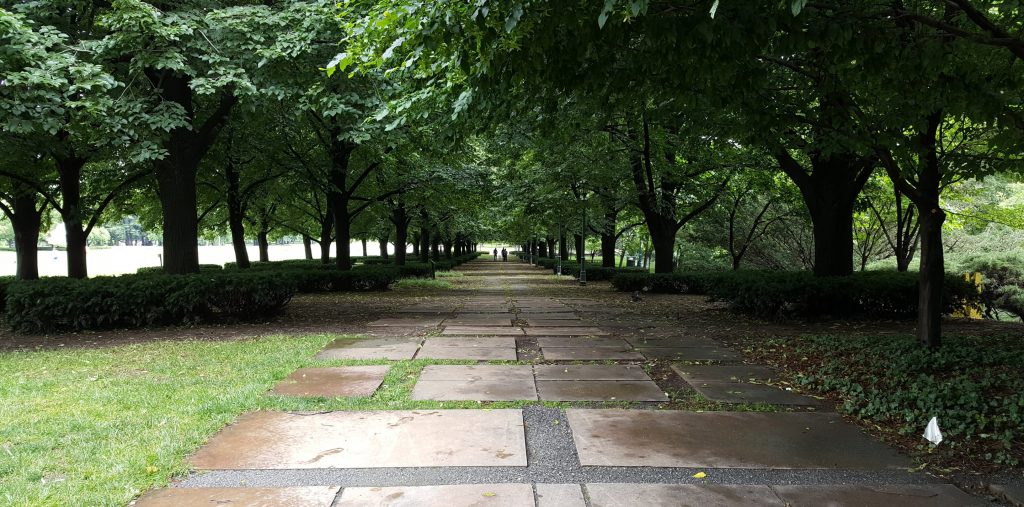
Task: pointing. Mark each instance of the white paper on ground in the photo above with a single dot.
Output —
(932, 433)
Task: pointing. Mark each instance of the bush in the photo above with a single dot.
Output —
(774, 293)
(159, 270)
(308, 279)
(131, 301)
(4, 282)
(1002, 283)
(972, 384)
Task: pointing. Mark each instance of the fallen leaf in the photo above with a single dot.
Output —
(699, 475)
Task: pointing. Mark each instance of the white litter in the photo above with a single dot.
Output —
(932, 433)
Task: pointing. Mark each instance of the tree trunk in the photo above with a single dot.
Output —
(563, 247)
(400, 219)
(326, 230)
(932, 277)
(338, 196)
(69, 170)
(424, 243)
(236, 216)
(447, 249)
(542, 248)
(343, 236)
(579, 247)
(264, 243)
(416, 247)
(364, 246)
(435, 246)
(176, 173)
(26, 223)
(307, 247)
(832, 224)
(382, 245)
(608, 250)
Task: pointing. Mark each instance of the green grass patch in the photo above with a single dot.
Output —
(449, 274)
(97, 427)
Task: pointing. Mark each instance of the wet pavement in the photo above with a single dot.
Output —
(545, 456)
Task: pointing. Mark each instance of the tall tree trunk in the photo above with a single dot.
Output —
(832, 224)
(326, 232)
(176, 173)
(447, 249)
(236, 215)
(579, 247)
(424, 242)
(435, 246)
(26, 222)
(416, 247)
(363, 240)
(400, 219)
(382, 245)
(264, 244)
(932, 276)
(338, 196)
(69, 170)
(307, 247)
(608, 250)
(563, 246)
(542, 248)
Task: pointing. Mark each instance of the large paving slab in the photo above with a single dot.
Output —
(590, 372)
(669, 342)
(471, 341)
(311, 496)
(927, 495)
(558, 323)
(582, 341)
(481, 331)
(367, 439)
(589, 354)
(505, 320)
(725, 440)
(738, 392)
(371, 348)
(406, 322)
(600, 390)
(477, 372)
(560, 495)
(524, 315)
(679, 495)
(468, 353)
(458, 495)
(475, 390)
(565, 331)
(691, 353)
(725, 373)
(343, 382)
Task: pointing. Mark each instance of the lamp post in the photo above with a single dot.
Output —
(558, 258)
(583, 247)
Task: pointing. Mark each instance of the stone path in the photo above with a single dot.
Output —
(605, 444)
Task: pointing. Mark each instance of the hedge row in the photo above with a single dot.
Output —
(4, 282)
(595, 272)
(153, 298)
(772, 293)
(67, 304)
(439, 265)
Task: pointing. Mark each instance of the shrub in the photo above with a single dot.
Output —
(159, 270)
(774, 293)
(331, 280)
(1002, 283)
(4, 282)
(63, 304)
(972, 384)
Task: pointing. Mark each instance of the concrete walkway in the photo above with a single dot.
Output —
(776, 448)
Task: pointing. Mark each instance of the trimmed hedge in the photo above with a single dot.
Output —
(159, 270)
(774, 293)
(65, 304)
(4, 282)
(331, 280)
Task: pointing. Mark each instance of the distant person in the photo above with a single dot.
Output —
(495, 255)
(504, 255)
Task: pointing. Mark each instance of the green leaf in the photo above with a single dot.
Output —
(714, 9)
(796, 6)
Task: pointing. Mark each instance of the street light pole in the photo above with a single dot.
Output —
(583, 248)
